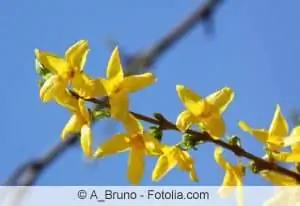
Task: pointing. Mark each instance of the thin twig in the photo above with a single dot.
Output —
(28, 173)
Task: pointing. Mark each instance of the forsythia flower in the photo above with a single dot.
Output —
(68, 70)
(80, 122)
(206, 112)
(172, 156)
(294, 142)
(137, 142)
(274, 137)
(278, 179)
(233, 176)
(61, 95)
(118, 87)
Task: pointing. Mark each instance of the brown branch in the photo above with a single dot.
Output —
(28, 173)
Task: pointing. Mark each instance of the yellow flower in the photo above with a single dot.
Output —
(69, 69)
(278, 179)
(233, 176)
(137, 142)
(206, 112)
(172, 156)
(274, 137)
(54, 89)
(118, 87)
(292, 141)
(80, 122)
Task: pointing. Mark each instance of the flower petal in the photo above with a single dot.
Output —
(76, 55)
(136, 165)
(64, 98)
(163, 165)
(116, 144)
(261, 134)
(219, 157)
(51, 87)
(132, 125)
(52, 62)
(214, 125)
(190, 99)
(221, 98)
(114, 70)
(186, 163)
(228, 183)
(185, 120)
(278, 179)
(86, 140)
(137, 82)
(87, 87)
(152, 145)
(279, 126)
(73, 126)
(293, 140)
(84, 111)
(119, 105)
(288, 157)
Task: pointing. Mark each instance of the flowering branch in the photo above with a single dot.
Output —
(28, 173)
(164, 124)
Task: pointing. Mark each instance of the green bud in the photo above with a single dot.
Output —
(40, 70)
(253, 167)
(156, 131)
(297, 166)
(189, 142)
(235, 141)
(101, 114)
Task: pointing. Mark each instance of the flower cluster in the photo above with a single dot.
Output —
(64, 81)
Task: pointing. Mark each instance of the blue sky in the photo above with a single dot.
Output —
(254, 51)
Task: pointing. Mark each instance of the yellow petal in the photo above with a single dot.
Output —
(136, 165)
(279, 126)
(134, 83)
(278, 179)
(73, 126)
(190, 99)
(152, 145)
(52, 62)
(221, 98)
(186, 163)
(238, 172)
(261, 134)
(76, 55)
(114, 70)
(289, 157)
(163, 165)
(84, 111)
(228, 183)
(184, 160)
(64, 98)
(86, 140)
(119, 105)
(214, 125)
(87, 87)
(293, 140)
(132, 125)
(116, 144)
(185, 120)
(193, 174)
(51, 88)
(219, 157)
